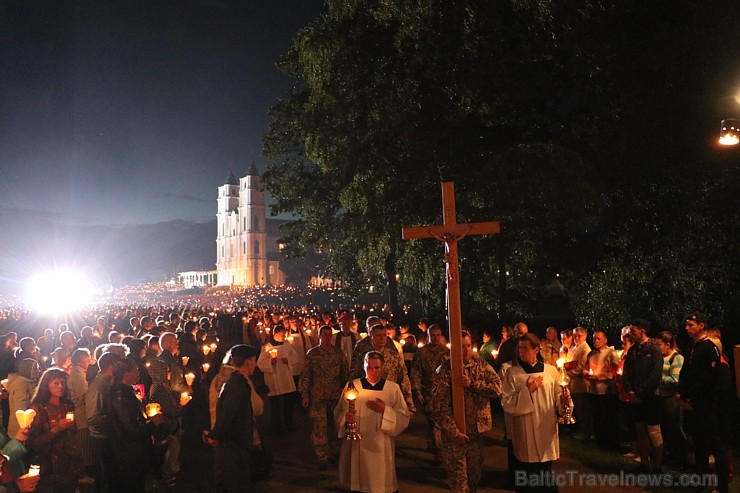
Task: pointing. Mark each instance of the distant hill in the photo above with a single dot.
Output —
(31, 241)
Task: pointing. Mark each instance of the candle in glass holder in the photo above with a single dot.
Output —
(273, 352)
(206, 367)
(70, 416)
(185, 360)
(206, 349)
(189, 378)
(34, 470)
(153, 408)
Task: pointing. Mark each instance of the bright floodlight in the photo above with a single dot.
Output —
(58, 292)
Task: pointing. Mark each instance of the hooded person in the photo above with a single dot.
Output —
(20, 387)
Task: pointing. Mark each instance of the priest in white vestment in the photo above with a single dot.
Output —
(531, 396)
(369, 464)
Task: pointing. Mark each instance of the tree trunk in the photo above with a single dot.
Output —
(390, 275)
(501, 262)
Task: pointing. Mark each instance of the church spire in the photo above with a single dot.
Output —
(231, 179)
(252, 171)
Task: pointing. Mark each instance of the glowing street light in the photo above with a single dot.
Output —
(729, 134)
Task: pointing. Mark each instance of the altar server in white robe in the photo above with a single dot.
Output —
(531, 396)
(277, 360)
(381, 413)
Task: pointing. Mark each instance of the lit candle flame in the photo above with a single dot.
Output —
(403, 342)
(420, 345)
(189, 378)
(206, 349)
(185, 360)
(560, 362)
(70, 416)
(494, 353)
(449, 345)
(206, 367)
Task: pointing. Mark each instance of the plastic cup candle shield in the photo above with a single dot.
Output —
(494, 353)
(185, 360)
(273, 352)
(153, 408)
(70, 416)
(206, 367)
(34, 470)
(206, 349)
(420, 345)
(189, 378)
(185, 398)
(25, 418)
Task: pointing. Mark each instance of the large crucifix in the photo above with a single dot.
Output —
(450, 232)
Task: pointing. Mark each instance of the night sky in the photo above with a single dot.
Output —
(116, 112)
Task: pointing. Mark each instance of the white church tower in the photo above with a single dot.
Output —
(241, 241)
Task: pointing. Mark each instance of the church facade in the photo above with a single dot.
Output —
(247, 252)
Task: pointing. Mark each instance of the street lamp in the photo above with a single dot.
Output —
(729, 134)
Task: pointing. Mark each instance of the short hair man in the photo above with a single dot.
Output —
(462, 450)
(380, 415)
(643, 368)
(531, 396)
(233, 433)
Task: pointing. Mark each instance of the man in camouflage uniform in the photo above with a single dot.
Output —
(461, 450)
(324, 374)
(394, 369)
(426, 361)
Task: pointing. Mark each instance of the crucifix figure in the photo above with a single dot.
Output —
(450, 232)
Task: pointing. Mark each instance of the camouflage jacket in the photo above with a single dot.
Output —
(485, 385)
(324, 374)
(426, 361)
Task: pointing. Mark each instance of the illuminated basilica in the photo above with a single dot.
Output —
(246, 241)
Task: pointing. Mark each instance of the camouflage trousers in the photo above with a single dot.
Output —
(323, 430)
(463, 463)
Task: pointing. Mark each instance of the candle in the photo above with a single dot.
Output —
(213, 347)
(148, 364)
(189, 377)
(25, 418)
(449, 345)
(591, 371)
(153, 408)
(351, 394)
(185, 360)
(308, 331)
(560, 362)
(206, 349)
(206, 367)
(70, 416)
(34, 470)
(184, 398)
(273, 352)
(403, 342)
(4, 382)
(475, 349)
(290, 338)
(420, 345)
(494, 353)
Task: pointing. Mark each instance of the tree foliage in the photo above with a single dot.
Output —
(578, 125)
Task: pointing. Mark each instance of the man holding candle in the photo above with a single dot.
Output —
(601, 367)
(277, 361)
(232, 434)
(380, 414)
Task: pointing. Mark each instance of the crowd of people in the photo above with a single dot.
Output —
(109, 395)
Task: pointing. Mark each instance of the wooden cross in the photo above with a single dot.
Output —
(450, 233)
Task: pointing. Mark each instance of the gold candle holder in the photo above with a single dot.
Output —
(565, 409)
(351, 432)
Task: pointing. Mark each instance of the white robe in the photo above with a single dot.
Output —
(278, 377)
(369, 464)
(533, 420)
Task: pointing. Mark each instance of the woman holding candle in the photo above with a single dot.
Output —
(130, 431)
(52, 434)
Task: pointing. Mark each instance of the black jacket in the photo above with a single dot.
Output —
(129, 432)
(234, 418)
(643, 368)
